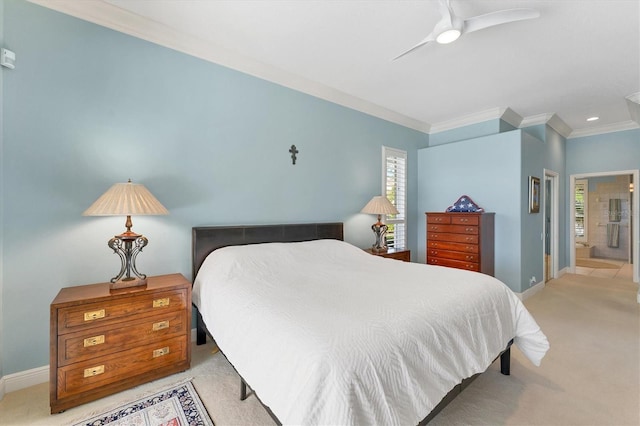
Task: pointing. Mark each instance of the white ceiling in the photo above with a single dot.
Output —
(580, 58)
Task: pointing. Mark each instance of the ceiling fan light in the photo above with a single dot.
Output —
(448, 36)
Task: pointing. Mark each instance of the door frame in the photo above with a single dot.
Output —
(634, 218)
(554, 233)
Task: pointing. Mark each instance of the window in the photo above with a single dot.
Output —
(581, 201)
(394, 186)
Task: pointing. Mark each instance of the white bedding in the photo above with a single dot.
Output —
(326, 333)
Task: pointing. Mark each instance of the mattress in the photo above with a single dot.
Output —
(326, 333)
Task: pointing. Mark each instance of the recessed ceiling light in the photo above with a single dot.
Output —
(594, 118)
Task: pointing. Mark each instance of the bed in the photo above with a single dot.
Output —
(324, 333)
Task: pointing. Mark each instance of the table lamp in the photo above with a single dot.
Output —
(127, 199)
(379, 205)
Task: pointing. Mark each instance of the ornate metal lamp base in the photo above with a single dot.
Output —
(127, 245)
(380, 230)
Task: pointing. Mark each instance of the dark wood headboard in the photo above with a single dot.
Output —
(209, 238)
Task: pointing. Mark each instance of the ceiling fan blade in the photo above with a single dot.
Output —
(427, 39)
(446, 13)
(497, 18)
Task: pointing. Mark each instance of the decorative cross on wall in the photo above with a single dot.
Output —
(293, 150)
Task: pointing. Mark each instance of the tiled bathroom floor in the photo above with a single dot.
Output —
(625, 272)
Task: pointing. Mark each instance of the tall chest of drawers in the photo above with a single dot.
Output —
(104, 342)
(461, 240)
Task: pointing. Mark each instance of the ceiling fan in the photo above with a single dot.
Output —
(451, 27)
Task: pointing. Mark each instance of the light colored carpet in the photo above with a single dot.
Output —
(599, 264)
(590, 376)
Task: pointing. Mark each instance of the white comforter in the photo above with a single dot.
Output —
(327, 334)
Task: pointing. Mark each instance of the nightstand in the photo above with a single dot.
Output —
(106, 341)
(399, 254)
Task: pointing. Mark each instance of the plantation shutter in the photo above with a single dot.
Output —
(394, 186)
(581, 194)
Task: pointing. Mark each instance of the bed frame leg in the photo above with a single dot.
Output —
(243, 390)
(201, 333)
(505, 362)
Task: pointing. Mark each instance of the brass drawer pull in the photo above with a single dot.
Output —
(161, 303)
(90, 316)
(93, 371)
(161, 352)
(160, 325)
(95, 340)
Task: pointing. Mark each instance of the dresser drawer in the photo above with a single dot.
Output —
(439, 218)
(464, 220)
(92, 374)
(99, 341)
(469, 266)
(456, 255)
(454, 229)
(118, 310)
(456, 238)
(446, 245)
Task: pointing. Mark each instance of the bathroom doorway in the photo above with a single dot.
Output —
(604, 217)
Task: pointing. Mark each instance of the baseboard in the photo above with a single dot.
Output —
(531, 291)
(25, 379)
(35, 376)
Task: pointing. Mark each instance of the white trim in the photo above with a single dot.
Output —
(512, 117)
(609, 128)
(633, 103)
(466, 120)
(634, 97)
(25, 379)
(555, 219)
(538, 287)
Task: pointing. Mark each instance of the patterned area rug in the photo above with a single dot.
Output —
(176, 406)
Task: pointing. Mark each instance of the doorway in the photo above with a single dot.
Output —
(550, 230)
(604, 220)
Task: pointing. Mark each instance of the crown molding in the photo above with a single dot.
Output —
(634, 97)
(512, 117)
(121, 20)
(107, 15)
(557, 124)
(633, 103)
(609, 128)
(535, 120)
(469, 119)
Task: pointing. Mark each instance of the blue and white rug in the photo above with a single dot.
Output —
(176, 406)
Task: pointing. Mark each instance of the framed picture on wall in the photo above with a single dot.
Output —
(534, 194)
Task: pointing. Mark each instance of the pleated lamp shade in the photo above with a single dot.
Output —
(379, 205)
(126, 199)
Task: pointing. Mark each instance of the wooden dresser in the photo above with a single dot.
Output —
(461, 240)
(103, 342)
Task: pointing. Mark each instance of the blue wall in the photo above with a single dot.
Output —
(494, 171)
(87, 107)
(445, 172)
(604, 153)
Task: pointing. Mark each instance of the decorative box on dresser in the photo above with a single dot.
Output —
(105, 341)
(461, 240)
